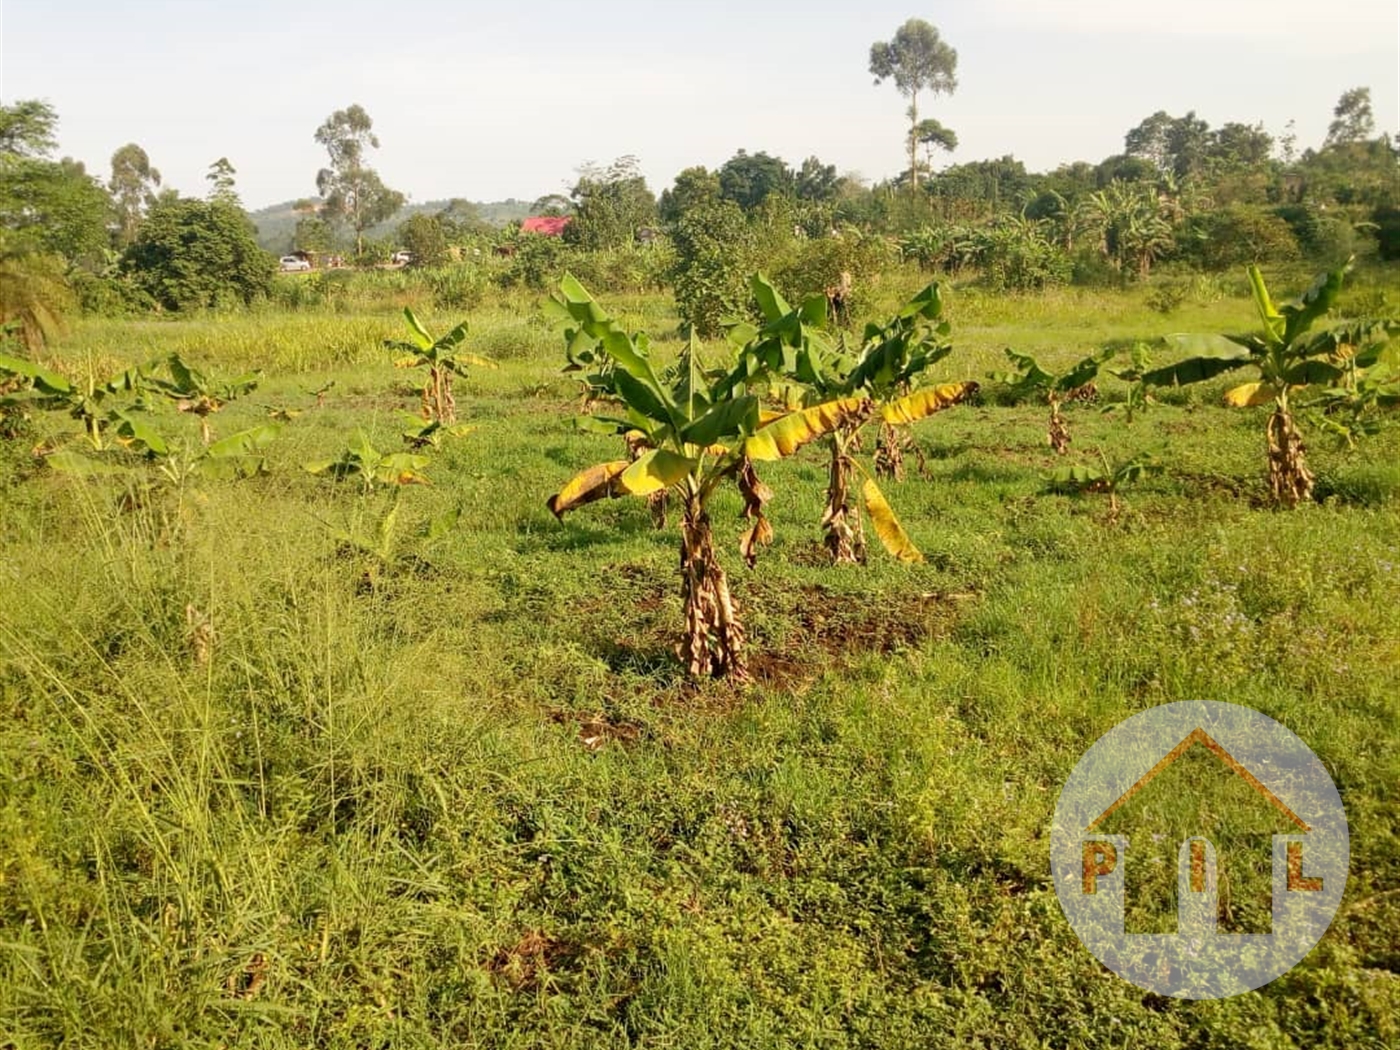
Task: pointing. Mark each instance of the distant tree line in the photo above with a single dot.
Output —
(1180, 191)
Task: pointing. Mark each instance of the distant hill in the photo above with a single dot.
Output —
(278, 222)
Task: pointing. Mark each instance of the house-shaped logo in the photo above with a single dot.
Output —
(1199, 849)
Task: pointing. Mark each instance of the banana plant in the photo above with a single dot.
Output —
(1287, 355)
(1106, 476)
(586, 324)
(443, 359)
(199, 394)
(90, 400)
(373, 467)
(793, 351)
(138, 445)
(381, 547)
(1370, 390)
(419, 435)
(700, 430)
(1031, 379)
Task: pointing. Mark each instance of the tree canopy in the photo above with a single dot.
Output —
(917, 59)
(192, 253)
(353, 194)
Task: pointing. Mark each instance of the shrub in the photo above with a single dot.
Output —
(193, 253)
(1236, 236)
(715, 251)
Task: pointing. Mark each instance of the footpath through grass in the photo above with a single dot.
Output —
(260, 788)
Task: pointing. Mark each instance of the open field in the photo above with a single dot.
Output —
(259, 788)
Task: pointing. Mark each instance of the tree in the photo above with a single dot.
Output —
(313, 234)
(750, 179)
(220, 179)
(932, 135)
(191, 253)
(716, 250)
(353, 194)
(461, 220)
(917, 59)
(610, 205)
(816, 181)
(1178, 145)
(1353, 120)
(52, 216)
(1149, 140)
(1236, 145)
(694, 188)
(1188, 141)
(425, 240)
(49, 206)
(878, 377)
(27, 129)
(133, 185)
(553, 205)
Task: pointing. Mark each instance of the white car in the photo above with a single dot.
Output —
(401, 258)
(293, 263)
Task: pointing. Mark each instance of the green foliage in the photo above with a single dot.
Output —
(1353, 120)
(849, 257)
(362, 460)
(89, 400)
(424, 238)
(1015, 256)
(465, 798)
(192, 254)
(198, 393)
(47, 207)
(610, 206)
(750, 179)
(917, 59)
(443, 357)
(535, 262)
(354, 194)
(1237, 235)
(716, 248)
(1387, 222)
(34, 294)
(694, 188)
(133, 186)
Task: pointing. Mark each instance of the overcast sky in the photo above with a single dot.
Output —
(487, 101)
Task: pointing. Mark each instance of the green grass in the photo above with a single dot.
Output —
(262, 790)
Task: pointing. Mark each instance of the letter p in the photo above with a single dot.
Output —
(1100, 858)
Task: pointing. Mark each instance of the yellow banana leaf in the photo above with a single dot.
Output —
(595, 483)
(656, 470)
(785, 436)
(1250, 394)
(887, 526)
(925, 402)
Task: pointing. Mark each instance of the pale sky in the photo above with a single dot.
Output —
(487, 101)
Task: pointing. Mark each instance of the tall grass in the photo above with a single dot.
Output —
(263, 789)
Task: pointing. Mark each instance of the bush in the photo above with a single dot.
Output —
(1015, 258)
(1326, 239)
(537, 264)
(716, 251)
(192, 253)
(1093, 269)
(1236, 236)
(1387, 220)
(461, 287)
(818, 265)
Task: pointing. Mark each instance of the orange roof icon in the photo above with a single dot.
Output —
(1200, 736)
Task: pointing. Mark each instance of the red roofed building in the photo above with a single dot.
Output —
(550, 226)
